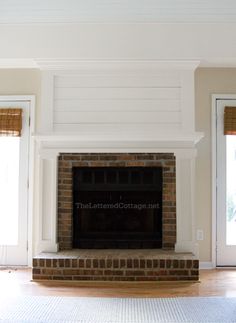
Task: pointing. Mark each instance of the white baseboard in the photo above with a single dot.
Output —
(206, 265)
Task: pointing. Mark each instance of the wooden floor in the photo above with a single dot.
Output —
(216, 282)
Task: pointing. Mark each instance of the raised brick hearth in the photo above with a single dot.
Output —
(116, 265)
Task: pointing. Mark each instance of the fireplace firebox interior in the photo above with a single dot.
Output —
(117, 207)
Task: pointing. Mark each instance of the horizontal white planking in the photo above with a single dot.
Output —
(116, 117)
(148, 129)
(25, 11)
(117, 105)
(112, 99)
(116, 93)
(152, 79)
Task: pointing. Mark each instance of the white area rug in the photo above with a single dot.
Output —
(47, 309)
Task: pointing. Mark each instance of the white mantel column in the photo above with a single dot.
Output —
(185, 209)
(46, 203)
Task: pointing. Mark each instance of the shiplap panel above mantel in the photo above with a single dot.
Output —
(68, 11)
(117, 93)
(117, 100)
(76, 105)
(150, 79)
(137, 99)
(116, 117)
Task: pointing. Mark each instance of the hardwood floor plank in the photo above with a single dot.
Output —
(217, 282)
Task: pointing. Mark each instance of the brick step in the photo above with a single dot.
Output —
(116, 265)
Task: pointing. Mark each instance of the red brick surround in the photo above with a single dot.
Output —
(67, 161)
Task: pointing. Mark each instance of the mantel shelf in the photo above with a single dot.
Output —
(55, 140)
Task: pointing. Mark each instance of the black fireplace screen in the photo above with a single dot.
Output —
(117, 207)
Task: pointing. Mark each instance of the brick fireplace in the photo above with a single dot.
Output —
(132, 263)
(125, 115)
(165, 162)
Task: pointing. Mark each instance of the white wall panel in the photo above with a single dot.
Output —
(119, 130)
(97, 93)
(117, 105)
(118, 80)
(137, 117)
(110, 97)
(117, 99)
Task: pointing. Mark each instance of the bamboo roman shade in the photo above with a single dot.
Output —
(10, 122)
(230, 121)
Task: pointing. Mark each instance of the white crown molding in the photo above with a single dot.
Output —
(131, 65)
(71, 64)
(128, 65)
(79, 64)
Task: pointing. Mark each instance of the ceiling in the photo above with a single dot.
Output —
(119, 11)
(59, 33)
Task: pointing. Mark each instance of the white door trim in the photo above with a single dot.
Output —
(215, 97)
(31, 100)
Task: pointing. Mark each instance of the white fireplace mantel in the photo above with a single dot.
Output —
(51, 144)
(47, 151)
(115, 107)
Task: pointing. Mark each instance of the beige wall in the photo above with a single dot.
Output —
(21, 82)
(208, 81)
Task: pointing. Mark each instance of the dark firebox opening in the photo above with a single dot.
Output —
(117, 207)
